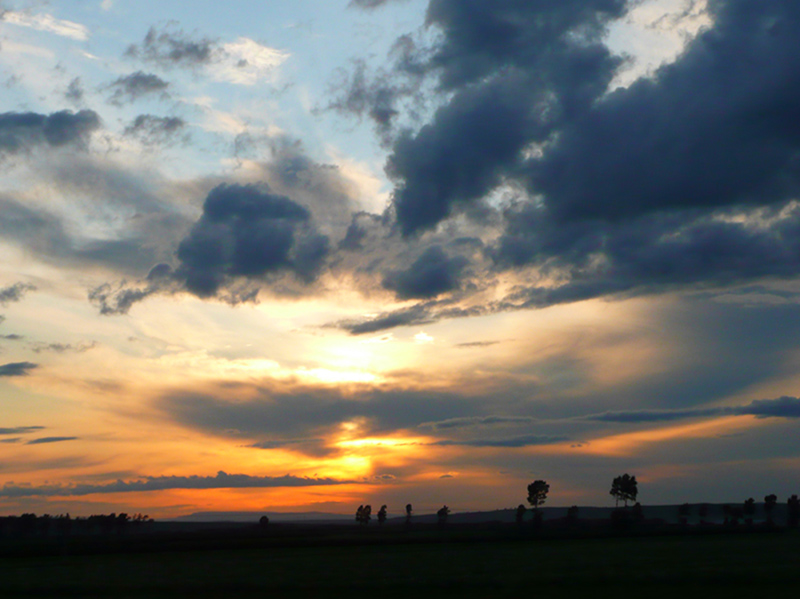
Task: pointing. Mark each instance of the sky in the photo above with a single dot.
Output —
(287, 256)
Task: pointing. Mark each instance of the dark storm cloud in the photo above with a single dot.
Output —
(20, 430)
(156, 130)
(719, 127)
(20, 131)
(783, 407)
(517, 70)
(17, 368)
(430, 275)
(15, 292)
(44, 440)
(247, 231)
(160, 483)
(130, 88)
(168, 47)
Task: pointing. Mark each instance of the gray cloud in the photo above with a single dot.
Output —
(15, 292)
(168, 47)
(75, 91)
(17, 368)
(783, 407)
(61, 348)
(159, 483)
(44, 440)
(19, 430)
(129, 88)
(430, 275)
(475, 421)
(247, 231)
(516, 72)
(510, 443)
(156, 130)
(20, 131)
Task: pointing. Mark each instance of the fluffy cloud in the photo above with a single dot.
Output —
(247, 231)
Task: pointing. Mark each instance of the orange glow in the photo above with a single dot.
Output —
(626, 444)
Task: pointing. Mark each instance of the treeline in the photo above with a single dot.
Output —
(64, 524)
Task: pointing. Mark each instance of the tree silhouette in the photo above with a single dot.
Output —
(263, 521)
(683, 513)
(624, 488)
(442, 514)
(572, 514)
(748, 509)
(408, 513)
(364, 514)
(521, 509)
(537, 493)
(703, 512)
(382, 515)
(793, 511)
(770, 501)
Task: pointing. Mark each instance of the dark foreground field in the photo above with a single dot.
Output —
(461, 562)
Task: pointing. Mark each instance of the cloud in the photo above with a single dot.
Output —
(15, 292)
(17, 368)
(510, 443)
(242, 62)
(156, 130)
(75, 91)
(430, 275)
(48, 23)
(44, 440)
(61, 348)
(20, 430)
(414, 315)
(475, 421)
(782, 407)
(369, 4)
(514, 72)
(21, 131)
(130, 88)
(169, 47)
(246, 62)
(160, 483)
(246, 231)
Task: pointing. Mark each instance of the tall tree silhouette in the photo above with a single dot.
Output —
(442, 514)
(624, 488)
(409, 510)
(537, 493)
(770, 501)
(382, 515)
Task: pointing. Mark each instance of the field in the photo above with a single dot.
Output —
(498, 561)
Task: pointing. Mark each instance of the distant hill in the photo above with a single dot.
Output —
(305, 517)
(668, 513)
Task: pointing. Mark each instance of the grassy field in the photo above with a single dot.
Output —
(423, 566)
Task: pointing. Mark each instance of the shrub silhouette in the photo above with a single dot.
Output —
(442, 514)
(382, 515)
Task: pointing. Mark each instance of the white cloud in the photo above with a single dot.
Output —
(46, 22)
(247, 62)
(107, 4)
(423, 338)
